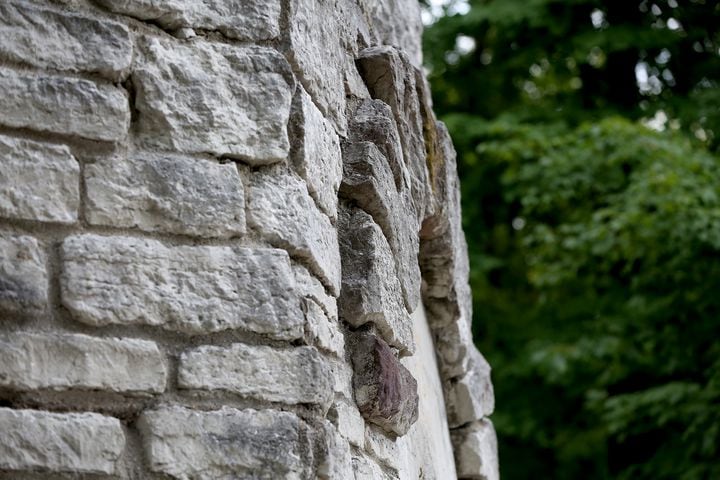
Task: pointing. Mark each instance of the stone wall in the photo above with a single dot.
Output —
(230, 246)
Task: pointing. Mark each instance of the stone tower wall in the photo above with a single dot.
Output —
(230, 246)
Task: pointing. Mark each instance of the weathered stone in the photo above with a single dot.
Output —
(67, 361)
(476, 454)
(69, 106)
(471, 397)
(349, 422)
(317, 155)
(23, 275)
(388, 451)
(190, 289)
(225, 443)
(371, 291)
(453, 342)
(322, 330)
(63, 41)
(242, 19)
(281, 209)
(385, 391)
(292, 376)
(311, 287)
(322, 42)
(59, 442)
(366, 469)
(243, 108)
(367, 181)
(38, 181)
(166, 193)
(390, 77)
(398, 23)
(335, 458)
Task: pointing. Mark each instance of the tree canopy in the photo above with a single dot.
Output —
(588, 135)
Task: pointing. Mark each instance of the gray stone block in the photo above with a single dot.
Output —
(166, 193)
(38, 181)
(476, 455)
(189, 289)
(23, 275)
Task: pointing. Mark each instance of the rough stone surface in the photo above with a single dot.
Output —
(325, 332)
(349, 422)
(476, 451)
(63, 41)
(68, 106)
(298, 375)
(240, 19)
(242, 112)
(225, 443)
(317, 156)
(195, 290)
(368, 181)
(390, 77)
(166, 193)
(38, 181)
(281, 209)
(371, 292)
(23, 275)
(335, 457)
(59, 442)
(471, 397)
(366, 469)
(385, 391)
(399, 24)
(34, 360)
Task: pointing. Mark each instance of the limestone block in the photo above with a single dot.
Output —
(38, 181)
(371, 292)
(476, 453)
(322, 41)
(203, 97)
(190, 289)
(453, 342)
(367, 180)
(322, 330)
(166, 193)
(390, 77)
(63, 41)
(398, 23)
(385, 391)
(335, 457)
(471, 397)
(23, 275)
(292, 376)
(349, 422)
(30, 360)
(68, 106)
(281, 209)
(366, 469)
(387, 450)
(311, 287)
(59, 442)
(317, 156)
(225, 443)
(251, 20)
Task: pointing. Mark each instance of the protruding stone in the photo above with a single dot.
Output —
(453, 342)
(324, 331)
(371, 292)
(398, 23)
(243, 110)
(471, 397)
(281, 209)
(63, 41)
(225, 443)
(190, 289)
(166, 193)
(390, 77)
(23, 275)
(385, 391)
(292, 376)
(335, 458)
(251, 20)
(349, 422)
(476, 455)
(78, 443)
(38, 181)
(317, 156)
(368, 181)
(34, 360)
(367, 469)
(68, 106)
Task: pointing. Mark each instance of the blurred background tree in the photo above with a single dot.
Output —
(588, 138)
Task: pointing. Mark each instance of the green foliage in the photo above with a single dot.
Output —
(594, 240)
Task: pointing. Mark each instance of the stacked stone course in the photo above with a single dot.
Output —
(230, 246)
